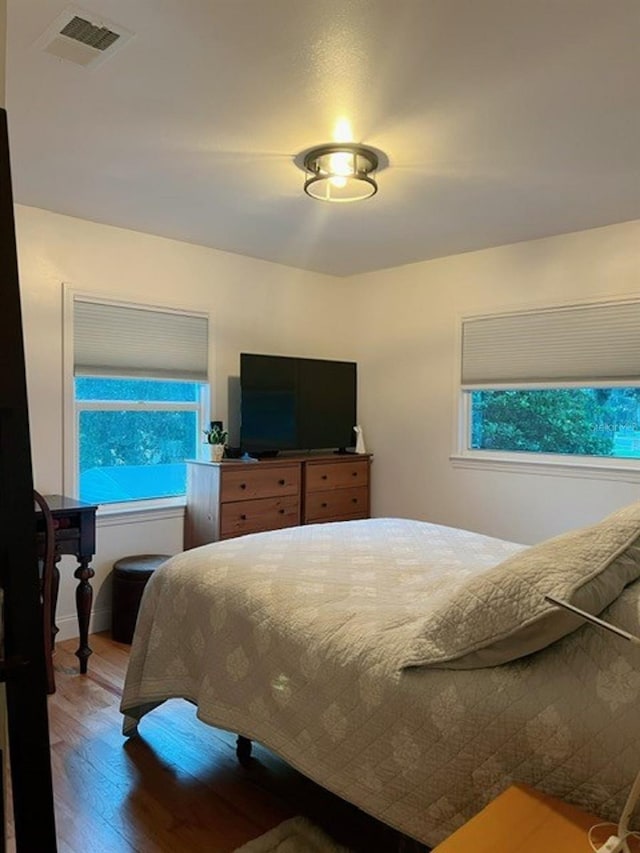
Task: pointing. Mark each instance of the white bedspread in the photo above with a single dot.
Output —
(293, 638)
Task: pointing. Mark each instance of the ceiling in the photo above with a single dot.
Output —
(502, 120)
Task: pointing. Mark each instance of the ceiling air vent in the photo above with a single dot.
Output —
(76, 36)
(90, 34)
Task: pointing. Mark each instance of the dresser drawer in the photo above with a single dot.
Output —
(238, 517)
(336, 475)
(337, 504)
(259, 482)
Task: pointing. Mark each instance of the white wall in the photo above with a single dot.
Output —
(407, 356)
(255, 306)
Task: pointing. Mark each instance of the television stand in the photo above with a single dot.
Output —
(230, 498)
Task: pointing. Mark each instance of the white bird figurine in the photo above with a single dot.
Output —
(360, 448)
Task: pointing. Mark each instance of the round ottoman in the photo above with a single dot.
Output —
(130, 576)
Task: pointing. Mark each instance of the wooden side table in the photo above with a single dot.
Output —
(75, 533)
(523, 820)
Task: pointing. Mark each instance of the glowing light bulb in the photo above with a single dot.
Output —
(341, 163)
(338, 181)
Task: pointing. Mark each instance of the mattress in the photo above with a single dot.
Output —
(293, 638)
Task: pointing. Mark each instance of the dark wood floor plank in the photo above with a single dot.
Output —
(177, 787)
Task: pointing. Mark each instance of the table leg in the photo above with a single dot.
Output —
(84, 599)
(55, 587)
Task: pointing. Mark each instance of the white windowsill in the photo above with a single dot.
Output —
(134, 512)
(593, 469)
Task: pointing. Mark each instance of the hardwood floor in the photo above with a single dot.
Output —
(178, 785)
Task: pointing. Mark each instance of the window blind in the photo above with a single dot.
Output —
(580, 343)
(130, 340)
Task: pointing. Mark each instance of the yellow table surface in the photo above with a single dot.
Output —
(523, 820)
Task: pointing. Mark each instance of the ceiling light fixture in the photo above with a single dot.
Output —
(340, 172)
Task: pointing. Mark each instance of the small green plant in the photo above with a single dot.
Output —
(215, 434)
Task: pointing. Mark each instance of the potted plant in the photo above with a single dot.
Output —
(216, 438)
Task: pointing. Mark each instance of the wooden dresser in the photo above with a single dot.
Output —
(230, 498)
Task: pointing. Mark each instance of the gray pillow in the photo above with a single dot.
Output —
(502, 614)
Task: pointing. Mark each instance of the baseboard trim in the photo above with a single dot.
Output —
(68, 625)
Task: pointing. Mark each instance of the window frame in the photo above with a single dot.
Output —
(523, 462)
(72, 407)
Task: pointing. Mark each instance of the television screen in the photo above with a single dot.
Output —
(296, 403)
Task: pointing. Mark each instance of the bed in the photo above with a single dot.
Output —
(313, 642)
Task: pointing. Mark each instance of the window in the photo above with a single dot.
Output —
(134, 436)
(140, 399)
(562, 381)
(573, 421)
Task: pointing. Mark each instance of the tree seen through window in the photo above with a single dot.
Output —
(134, 436)
(574, 421)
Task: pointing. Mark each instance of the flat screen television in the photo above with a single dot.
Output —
(296, 404)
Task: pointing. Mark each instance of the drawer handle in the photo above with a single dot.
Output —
(281, 482)
(281, 511)
(243, 517)
(325, 504)
(354, 473)
(324, 477)
(243, 485)
(354, 500)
